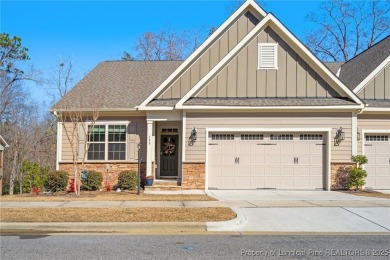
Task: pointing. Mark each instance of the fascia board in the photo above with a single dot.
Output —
(349, 108)
(155, 108)
(203, 46)
(372, 75)
(376, 109)
(224, 61)
(315, 60)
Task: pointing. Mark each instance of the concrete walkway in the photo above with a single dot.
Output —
(303, 211)
(257, 211)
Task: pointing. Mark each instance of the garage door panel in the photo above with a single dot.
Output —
(377, 150)
(257, 160)
(242, 171)
(257, 171)
(287, 160)
(257, 183)
(287, 171)
(286, 163)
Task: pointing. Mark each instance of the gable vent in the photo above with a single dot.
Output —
(268, 55)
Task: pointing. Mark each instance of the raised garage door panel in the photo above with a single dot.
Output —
(377, 150)
(265, 162)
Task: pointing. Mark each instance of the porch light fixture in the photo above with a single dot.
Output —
(194, 134)
(340, 135)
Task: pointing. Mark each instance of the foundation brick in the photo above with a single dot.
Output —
(111, 177)
(339, 175)
(193, 176)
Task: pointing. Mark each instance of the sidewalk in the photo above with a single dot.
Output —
(257, 211)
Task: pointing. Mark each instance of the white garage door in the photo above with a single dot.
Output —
(266, 160)
(377, 150)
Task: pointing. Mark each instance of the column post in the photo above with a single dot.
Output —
(149, 148)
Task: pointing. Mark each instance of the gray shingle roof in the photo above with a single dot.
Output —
(358, 68)
(333, 66)
(377, 103)
(269, 102)
(123, 84)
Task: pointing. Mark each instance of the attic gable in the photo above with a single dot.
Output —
(378, 88)
(221, 42)
(323, 81)
(293, 78)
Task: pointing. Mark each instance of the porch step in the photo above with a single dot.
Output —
(164, 185)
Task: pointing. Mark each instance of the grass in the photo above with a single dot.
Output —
(104, 196)
(115, 214)
(368, 193)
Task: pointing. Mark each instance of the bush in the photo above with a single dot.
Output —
(93, 181)
(357, 175)
(57, 181)
(127, 180)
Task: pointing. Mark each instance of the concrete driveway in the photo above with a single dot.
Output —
(302, 211)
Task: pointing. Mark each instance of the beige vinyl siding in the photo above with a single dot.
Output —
(211, 56)
(340, 153)
(136, 133)
(378, 87)
(293, 77)
(371, 122)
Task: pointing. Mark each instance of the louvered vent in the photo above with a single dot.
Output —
(268, 55)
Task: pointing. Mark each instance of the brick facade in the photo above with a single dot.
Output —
(193, 176)
(339, 175)
(112, 176)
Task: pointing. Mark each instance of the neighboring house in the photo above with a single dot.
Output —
(3, 145)
(368, 76)
(251, 108)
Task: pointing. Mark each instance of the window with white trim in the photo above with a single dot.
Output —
(107, 142)
(309, 137)
(222, 137)
(377, 138)
(281, 137)
(248, 137)
(267, 56)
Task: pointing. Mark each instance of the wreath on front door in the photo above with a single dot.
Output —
(169, 147)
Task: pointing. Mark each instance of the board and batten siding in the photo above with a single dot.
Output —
(136, 133)
(378, 87)
(214, 54)
(201, 121)
(242, 78)
(371, 122)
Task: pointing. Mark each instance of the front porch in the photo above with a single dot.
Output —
(165, 144)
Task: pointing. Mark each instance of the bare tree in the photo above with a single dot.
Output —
(167, 44)
(345, 28)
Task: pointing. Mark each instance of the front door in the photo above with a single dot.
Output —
(169, 156)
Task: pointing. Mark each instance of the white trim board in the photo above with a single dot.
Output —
(248, 4)
(328, 131)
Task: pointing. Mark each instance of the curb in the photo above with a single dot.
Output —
(104, 227)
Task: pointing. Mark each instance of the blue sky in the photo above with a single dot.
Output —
(93, 31)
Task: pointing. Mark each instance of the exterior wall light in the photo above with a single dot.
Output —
(194, 134)
(340, 136)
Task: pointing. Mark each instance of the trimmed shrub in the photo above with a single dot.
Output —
(127, 180)
(93, 181)
(357, 175)
(57, 181)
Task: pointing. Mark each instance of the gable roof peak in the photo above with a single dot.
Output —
(360, 68)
